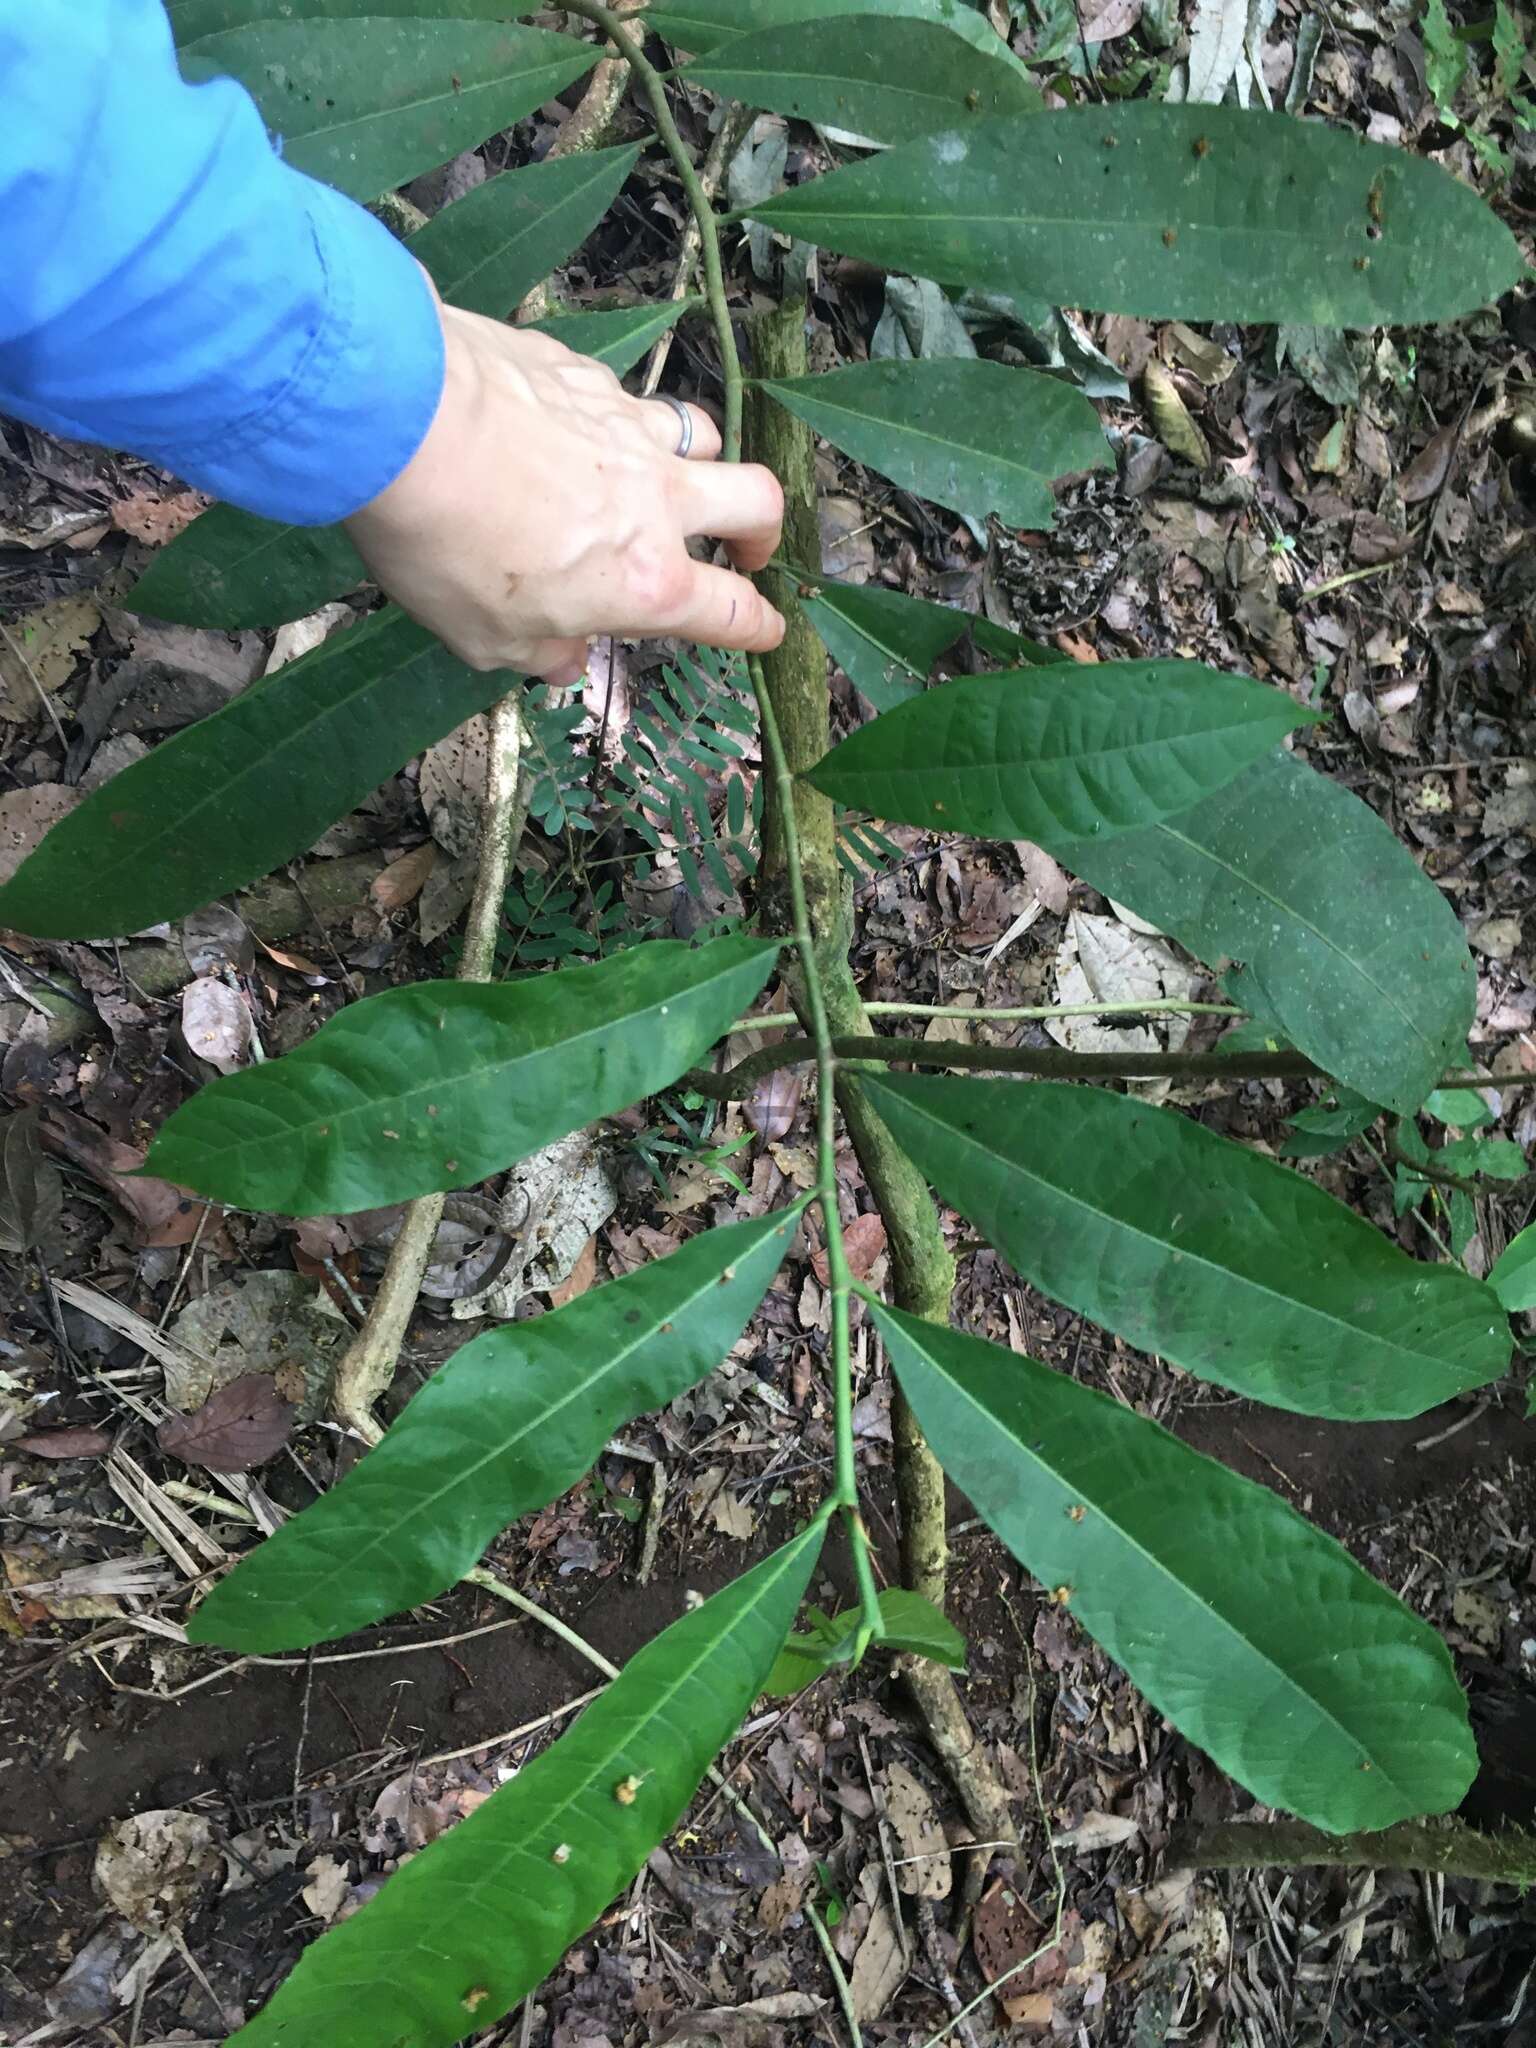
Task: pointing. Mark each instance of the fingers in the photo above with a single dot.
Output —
(723, 610)
(558, 662)
(740, 503)
(665, 429)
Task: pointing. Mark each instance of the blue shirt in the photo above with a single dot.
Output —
(170, 286)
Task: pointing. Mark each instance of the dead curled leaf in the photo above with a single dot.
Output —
(154, 1867)
(863, 1241)
(403, 880)
(216, 1023)
(165, 1214)
(775, 1102)
(241, 1426)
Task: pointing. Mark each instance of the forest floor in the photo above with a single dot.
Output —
(1358, 530)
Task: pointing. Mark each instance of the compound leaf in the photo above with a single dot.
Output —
(475, 1922)
(1348, 951)
(1195, 1248)
(439, 1084)
(978, 437)
(367, 103)
(1257, 1636)
(619, 338)
(1185, 213)
(1092, 749)
(226, 800)
(887, 80)
(507, 1425)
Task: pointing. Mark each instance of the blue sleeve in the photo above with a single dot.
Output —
(169, 286)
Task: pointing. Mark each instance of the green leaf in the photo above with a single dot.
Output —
(489, 249)
(1446, 58)
(978, 437)
(911, 1624)
(228, 799)
(1194, 1248)
(1257, 1636)
(1116, 208)
(885, 642)
(1513, 1278)
(882, 79)
(507, 1425)
(1348, 952)
(367, 103)
(1463, 1108)
(439, 1084)
(476, 1921)
(618, 339)
(193, 19)
(1103, 749)
(231, 569)
(706, 26)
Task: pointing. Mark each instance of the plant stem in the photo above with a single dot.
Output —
(839, 1277)
(1164, 1006)
(368, 1365)
(650, 82)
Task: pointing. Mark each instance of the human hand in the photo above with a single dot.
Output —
(547, 505)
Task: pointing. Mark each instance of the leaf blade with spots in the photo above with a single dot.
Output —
(1257, 1636)
(1180, 213)
(439, 1953)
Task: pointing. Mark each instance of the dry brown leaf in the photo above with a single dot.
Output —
(863, 1241)
(774, 1103)
(157, 520)
(155, 1867)
(923, 1869)
(165, 1214)
(216, 1023)
(40, 649)
(25, 815)
(579, 1279)
(1427, 471)
(404, 879)
(63, 1443)
(31, 1188)
(303, 636)
(879, 1968)
(241, 1426)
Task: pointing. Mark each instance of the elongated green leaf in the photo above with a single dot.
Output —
(475, 1922)
(1513, 1277)
(367, 103)
(193, 19)
(1092, 749)
(883, 79)
(1347, 951)
(437, 1085)
(1195, 1248)
(511, 1421)
(489, 249)
(1256, 1635)
(975, 436)
(231, 569)
(1122, 209)
(910, 1623)
(709, 25)
(887, 643)
(227, 799)
(618, 339)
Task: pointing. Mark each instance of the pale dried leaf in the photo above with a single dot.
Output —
(923, 1868)
(25, 815)
(39, 651)
(879, 1967)
(216, 1023)
(157, 520)
(303, 636)
(404, 879)
(155, 1867)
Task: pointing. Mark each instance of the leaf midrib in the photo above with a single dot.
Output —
(902, 427)
(463, 1476)
(480, 1071)
(1164, 1571)
(1192, 1256)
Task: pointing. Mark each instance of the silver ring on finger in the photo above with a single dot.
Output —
(684, 421)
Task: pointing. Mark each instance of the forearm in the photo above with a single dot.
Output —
(171, 287)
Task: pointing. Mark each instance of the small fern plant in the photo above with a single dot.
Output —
(1162, 783)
